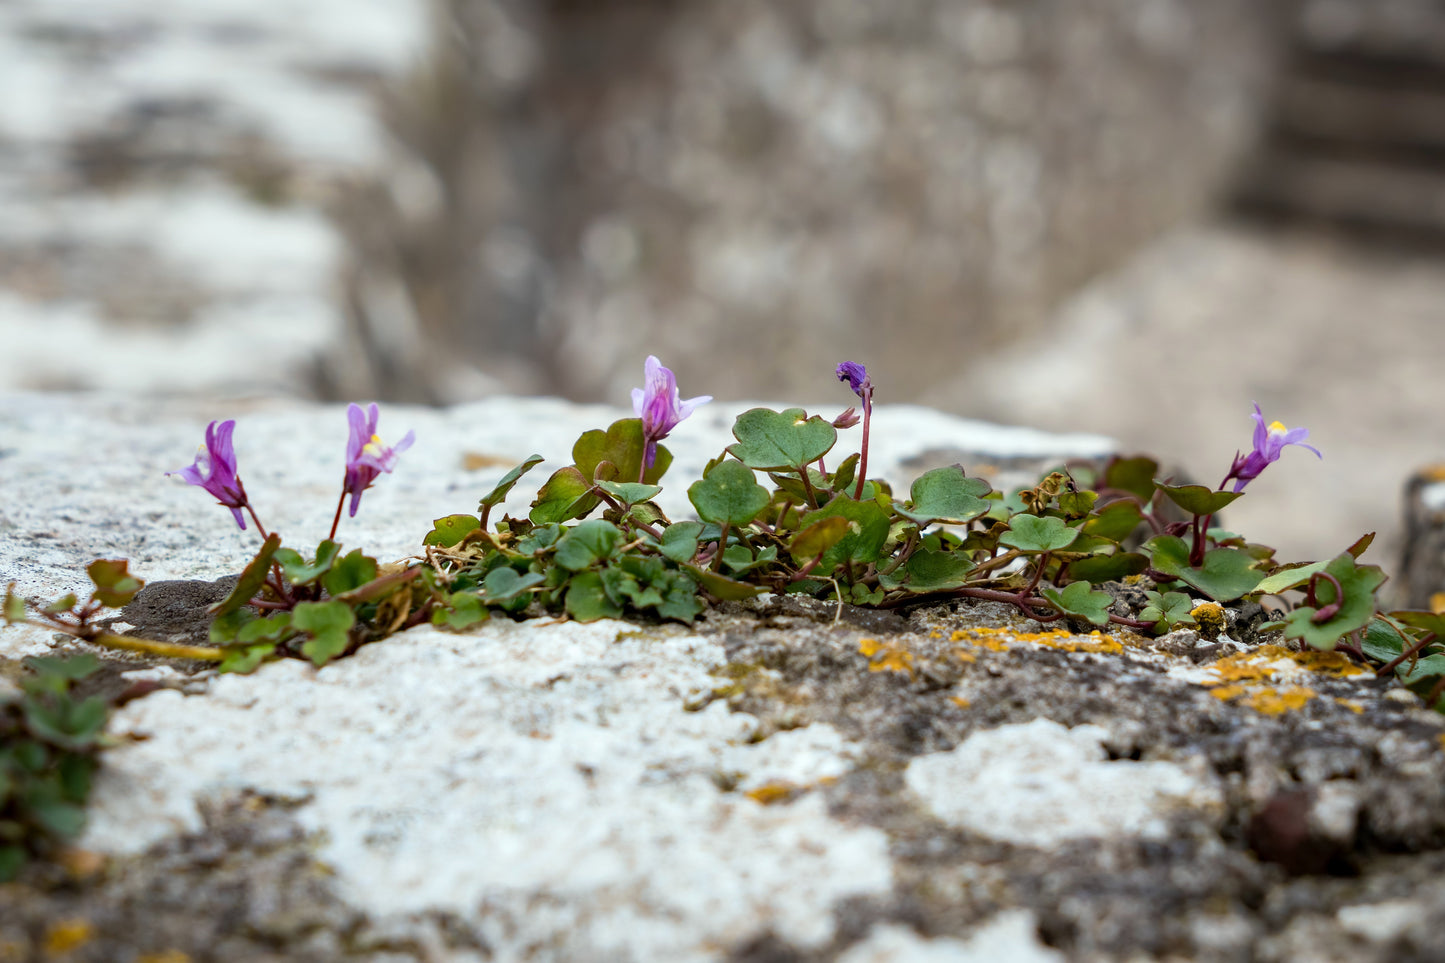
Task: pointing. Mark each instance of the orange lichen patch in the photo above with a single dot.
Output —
(999, 640)
(779, 790)
(168, 956)
(1352, 705)
(1434, 473)
(886, 656)
(1441, 739)
(1268, 700)
(961, 702)
(66, 935)
(1437, 603)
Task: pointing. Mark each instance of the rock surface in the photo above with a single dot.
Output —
(785, 780)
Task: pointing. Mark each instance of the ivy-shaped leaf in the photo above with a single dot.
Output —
(114, 585)
(928, 571)
(1197, 499)
(722, 587)
(448, 531)
(728, 495)
(1034, 533)
(1080, 600)
(679, 541)
(300, 572)
(587, 544)
(1352, 611)
(1227, 573)
(1168, 611)
(245, 661)
(946, 495)
(504, 584)
(868, 532)
(819, 537)
(1098, 569)
(776, 440)
(1289, 578)
(562, 497)
(630, 493)
(587, 599)
(1133, 475)
(623, 445)
(1116, 521)
(350, 572)
(329, 626)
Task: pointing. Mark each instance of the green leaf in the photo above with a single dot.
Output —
(1034, 533)
(847, 472)
(1426, 670)
(630, 493)
(447, 532)
(623, 445)
(1078, 599)
(245, 661)
(868, 531)
(587, 599)
(679, 597)
(946, 495)
(1133, 475)
(12, 861)
(1382, 639)
(269, 629)
(1196, 499)
(728, 495)
(61, 818)
(564, 496)
(1077, 504)
(460, 610)
(539, 539)
(1288, 578)
(504, 487)
(300, 572)
(72, 667)
(679, 541)
(819, 537)
(1361, 544)
(1227, 573)
(775, 440)
(504, 584)
(1116, 521)
(586, 544)
(61, 605)
(253, 576)
(722, 587)
(329, 625)
(350, 573)
(14, 606)
(928, 571)
(1432, 622)
(114, 585)
(1356, 608)
(1168, 610)
(227, 627)
(1106, 568)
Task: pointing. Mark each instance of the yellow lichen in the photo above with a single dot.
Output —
(1437, 603)
(67, 935)
(1268, 700)
(1352, 705)
(886, 656)
(961, 702)
(999, 640)
(1210, 618)
(779, 790)
(166, 956)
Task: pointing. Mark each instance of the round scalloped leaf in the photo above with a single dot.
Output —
(1115, 521)
(562, 497)
(1383, 638)
(1035, 533)
(868, 531)
(929, 571)
(1168, 610)
(329, 625)
(350, 572)
(1080, 600)
(448, 531)
(630, 493)
(245, 661)
(1357, 607)
(586, 544)
(503, 584)
(624, 446)
(1227, 573)
(300, 572)
(819, 537)
(775, 440)
(722, 587)
(1197, 499)
(679, 541)
(946, 495)
(1133, 475)
(728, 495)
(587, 599)
(114, 585)
(1289, 578)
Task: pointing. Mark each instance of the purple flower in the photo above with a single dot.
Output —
(215, 470)
(366, 456)
(1269, 442)
(660, 406)
(857, 377)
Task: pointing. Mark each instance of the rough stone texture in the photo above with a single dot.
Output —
(743, 790)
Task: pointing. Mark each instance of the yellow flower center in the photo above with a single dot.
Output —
(374, 446)
(1277, 427)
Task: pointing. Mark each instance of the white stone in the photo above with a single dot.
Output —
(1041, 784)
(1009, 937)
(1382, 922)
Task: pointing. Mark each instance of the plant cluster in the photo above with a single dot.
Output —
(49, 740)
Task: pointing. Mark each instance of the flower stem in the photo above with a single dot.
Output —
(863, 459)
(260, 529)
(336, 519)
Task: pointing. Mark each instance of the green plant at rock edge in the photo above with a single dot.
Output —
(771, 517)
(49, 740)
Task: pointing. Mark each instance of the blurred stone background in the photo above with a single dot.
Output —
(1131, 217)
